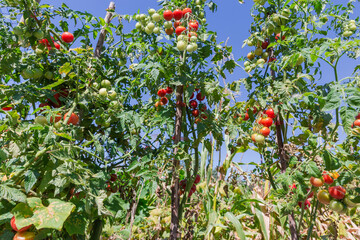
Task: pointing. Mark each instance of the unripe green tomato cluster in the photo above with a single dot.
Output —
(149, 23)
(349, 28)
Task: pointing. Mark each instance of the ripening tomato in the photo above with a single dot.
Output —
(334, 175)
(186, 12)
(357, 123)
(267, 122)
(270, 113)
(323, 196)
(13, 225)
(168, 15)
(57, 45)
(73, 119)
(169, 31)
(193, 25)
(328, 179)
(24, 236)
(161, 93)
(179, 30)
(157, 104)
(253, 136)
(193, 104)
(169, 90)
(306, 204)
(200, 97)
(67, 37)
(337, 192)
(265, 131)
(164, 101)
(195, 112)
(178, 14)
(197, 120)
(316, 182)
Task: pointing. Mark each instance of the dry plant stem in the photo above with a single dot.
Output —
(175, 197)
(101, 40)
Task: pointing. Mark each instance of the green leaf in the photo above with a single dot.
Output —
(11, 194)
(75, 224)
(30, 180)
(239, 229)
(333, 101)
(313, 170)
(53, 216)
(260, 217)
(65, 69)
(331, 163)
(353, 101)
(345, 178)
(55, 84)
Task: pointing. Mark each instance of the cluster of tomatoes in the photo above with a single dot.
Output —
(187, 37)
(111, 187)
(349, 28)
(356, 123)
(65, 36)
(162, 93)
(22, 233)
(264, 123)
(335, 196)
(193, 188)
(198, 108)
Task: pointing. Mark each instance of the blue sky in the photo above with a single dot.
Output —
(231, 21)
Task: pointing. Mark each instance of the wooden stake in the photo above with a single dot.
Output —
(102, 36)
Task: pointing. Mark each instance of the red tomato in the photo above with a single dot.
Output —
(292, 187)
(179, 30)
(265, 44)
(6, 108)
(328, 179)
(277, 37)
(337, 192)
(13, 225)
(270, 113)
(195, 112)
(186, 12)
(74, 119)
(67, 37)
(316, 182)
(24, 236)
(310, 195)
(168, 15)
(203, 108)
(169, 31)
(163, 101)
(272, 59)
(193, 25)
(57, 45)
(358, 116)
(246, 117)
(193, 104)
(192, 96)
(58, 117)
(161, 93)
(197, 179)
(265, 131)
(176, 24)
(306, 204)
(267, 122)
(357, 122)
(203, 116)
(200, 97)
(169, 90)
(178, 14)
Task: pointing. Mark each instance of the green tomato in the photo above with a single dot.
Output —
(156, 17)
(37, 73)
(142, 17)
(58, 125)
(38, 51)
(18, 31)
(260, 61)
(150, 26)
(347, 33)
(258, 51)
(138, 26)
(114, 105)
(336, 206)
(148, 30)
(41, 120)
(324, 197)
(286, 12)
(181, 45)
(352, 27)
(246, 63)
(95, 85)
(168, 25)
(112, 95)
(190, 48)
(151, 11)
(38, 34)
(156, 30)
(265, 55)
(27, 73)
(106, 84)
(259, 138)
(193, 39)
(137, 17)
(103, 92)
(247, 69)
